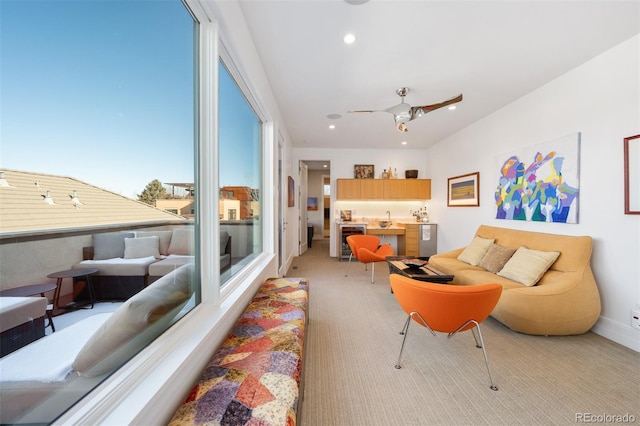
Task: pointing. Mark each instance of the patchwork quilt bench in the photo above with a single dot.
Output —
(255, 377)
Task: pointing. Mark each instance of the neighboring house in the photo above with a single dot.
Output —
(247, 197)
(179, 206)
(179, 200)
(31, 202)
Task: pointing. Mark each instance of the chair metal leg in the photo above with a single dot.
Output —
(475, 337)
(348, 264)
(486, 360)
(405, 331)
(373, 271)
(479, 344)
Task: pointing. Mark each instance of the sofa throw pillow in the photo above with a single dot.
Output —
(109, 245)
(496, 257)
(181, 242)
(475, 251)
(135, 248)
(164, 236)
(527, 266)
(135, 324)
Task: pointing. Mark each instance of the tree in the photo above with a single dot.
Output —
(153, 191)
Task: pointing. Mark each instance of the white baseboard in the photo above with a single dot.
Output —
(620, 333)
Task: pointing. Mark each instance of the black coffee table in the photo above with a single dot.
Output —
(72, 273)
(425, 273)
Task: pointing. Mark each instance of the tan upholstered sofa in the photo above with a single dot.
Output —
(564, 301)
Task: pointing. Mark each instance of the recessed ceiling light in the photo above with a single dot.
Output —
(334, 116)
(307, 141)
(404, 142)
(324, 165)
(332, 126)
(356, 2)
(349, 38)
(452, 107)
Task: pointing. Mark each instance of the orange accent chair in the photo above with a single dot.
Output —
(446, 308)
(367, 249)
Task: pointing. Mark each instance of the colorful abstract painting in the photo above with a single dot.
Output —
(540, 183)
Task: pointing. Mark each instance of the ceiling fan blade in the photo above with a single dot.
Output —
(363, 110)
(418, 111)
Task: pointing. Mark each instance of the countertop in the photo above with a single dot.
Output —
(397, 226)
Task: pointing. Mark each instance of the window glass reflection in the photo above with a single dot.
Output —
(240, 177)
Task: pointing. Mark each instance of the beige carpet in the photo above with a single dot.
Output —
(353, 345)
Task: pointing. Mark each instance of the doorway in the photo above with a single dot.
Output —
(316, 207)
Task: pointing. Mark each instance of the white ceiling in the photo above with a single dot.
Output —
(493, 52)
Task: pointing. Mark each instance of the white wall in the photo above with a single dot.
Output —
(601, 100)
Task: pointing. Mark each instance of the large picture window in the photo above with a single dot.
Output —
(98, 111)
(240, 176)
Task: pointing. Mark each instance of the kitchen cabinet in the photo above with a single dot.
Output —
(394, 189)
(420, 240)
(383, 189)
(411, 239)
(348, 189)
(418, 189)
(371, 189)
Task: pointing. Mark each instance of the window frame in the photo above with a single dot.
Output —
(150, 387)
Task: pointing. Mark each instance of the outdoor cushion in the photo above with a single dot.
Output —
(181, 242)
(135, 324)
(163, 236)
(109, 245)
(141, 247)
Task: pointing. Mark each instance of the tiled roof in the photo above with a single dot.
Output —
(24, 206)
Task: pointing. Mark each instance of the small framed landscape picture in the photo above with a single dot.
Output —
(464, 190)
(364, 171)
(312, 203)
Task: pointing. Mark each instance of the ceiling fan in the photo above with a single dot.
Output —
(403, 112)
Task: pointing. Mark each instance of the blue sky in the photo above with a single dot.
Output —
(102, 91)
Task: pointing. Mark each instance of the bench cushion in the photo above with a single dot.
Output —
(254, 378)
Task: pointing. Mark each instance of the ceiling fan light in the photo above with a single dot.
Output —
(402, 128)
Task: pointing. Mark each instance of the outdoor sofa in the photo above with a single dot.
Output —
(129, 261)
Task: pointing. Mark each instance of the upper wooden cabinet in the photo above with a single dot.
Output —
(371, 189)
(383, 189)
(348, 189)
(418, 189)
(394, 189)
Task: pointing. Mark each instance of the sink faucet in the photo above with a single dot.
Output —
(388, 215)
